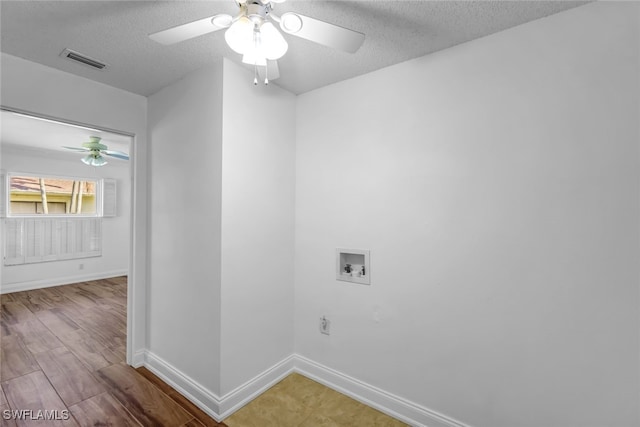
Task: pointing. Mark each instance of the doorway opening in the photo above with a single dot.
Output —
(83, 238)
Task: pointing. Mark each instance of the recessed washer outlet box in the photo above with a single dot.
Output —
(352, 265)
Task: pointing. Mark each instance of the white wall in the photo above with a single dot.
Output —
(49, 92)
(222, 203)
(186, 154)
(115, 231)
(258, 173)
(497, 186)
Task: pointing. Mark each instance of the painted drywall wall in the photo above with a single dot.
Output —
(186, 147)
(49, 92)
(258, 188)
(115, 231)
(497, 186)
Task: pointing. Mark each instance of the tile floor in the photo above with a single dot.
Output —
(298, 401)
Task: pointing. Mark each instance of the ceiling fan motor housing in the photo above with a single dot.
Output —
(94, 146)
(256, 11)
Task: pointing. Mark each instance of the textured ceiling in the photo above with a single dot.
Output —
(116, 32)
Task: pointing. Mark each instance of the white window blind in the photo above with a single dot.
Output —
(3, 194)
(33, 231)
(32, 240)
(13, 247)
(67, 234)
(109, 208)
(49, 241)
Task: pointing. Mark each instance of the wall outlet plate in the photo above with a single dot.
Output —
(325, 325)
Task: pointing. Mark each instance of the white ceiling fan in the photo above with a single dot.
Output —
(94, 150)
(252, 34)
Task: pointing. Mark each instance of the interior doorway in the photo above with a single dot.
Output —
(82, 230)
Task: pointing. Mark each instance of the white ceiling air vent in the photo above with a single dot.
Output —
(83, 59)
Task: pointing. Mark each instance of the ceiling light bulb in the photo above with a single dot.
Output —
(273, 45)
(239, 36)
(254, 54)
(290, 23)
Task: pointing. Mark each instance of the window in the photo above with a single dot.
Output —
(37, 195)
(53, 218)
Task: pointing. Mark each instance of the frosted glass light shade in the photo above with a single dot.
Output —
(254, 58)
(239, 36)
(273, 45)
(254, 54)
(94, 160)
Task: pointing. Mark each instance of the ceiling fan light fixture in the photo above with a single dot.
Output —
(254, 58)
(290, 23)
(272, 43)
(252, 33)
(239, 36)
(94, 144)
(94, 159)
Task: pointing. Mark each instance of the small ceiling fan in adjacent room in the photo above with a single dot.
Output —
(253, 34)
(95, 150)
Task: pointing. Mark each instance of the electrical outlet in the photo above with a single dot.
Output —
(376, 315)
(325, 325)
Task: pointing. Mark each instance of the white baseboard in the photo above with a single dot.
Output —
(216, 407)
(219, 408)
(199, 395)
(395, 406)
(58, 281)
(138, 358)
(244, 394)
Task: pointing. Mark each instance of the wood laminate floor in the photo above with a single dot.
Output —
(63, 351)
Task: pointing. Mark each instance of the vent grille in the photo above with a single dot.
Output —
(83, 59)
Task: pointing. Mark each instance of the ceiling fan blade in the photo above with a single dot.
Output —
(116, 154)
(77, 148)
(321, 32)
(192, 29)
(272, 70)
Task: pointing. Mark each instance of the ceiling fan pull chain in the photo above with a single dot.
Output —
(266, 74)
(256, 44)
